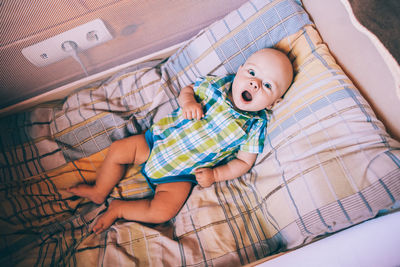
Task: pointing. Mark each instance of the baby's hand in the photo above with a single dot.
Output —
(205, 177)
(192, 110)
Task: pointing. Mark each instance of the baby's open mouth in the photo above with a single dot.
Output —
(247, 96)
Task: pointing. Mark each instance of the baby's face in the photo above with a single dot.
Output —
(262, 80)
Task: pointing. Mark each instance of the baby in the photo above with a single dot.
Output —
(214, 136)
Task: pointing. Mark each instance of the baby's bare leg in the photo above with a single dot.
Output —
(133, 149)
(166, 203)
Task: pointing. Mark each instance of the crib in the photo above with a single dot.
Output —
(324, 192)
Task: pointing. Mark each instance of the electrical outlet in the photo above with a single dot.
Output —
(50, 50)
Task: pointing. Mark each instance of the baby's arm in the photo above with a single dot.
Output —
(233, 169)
(190, 108)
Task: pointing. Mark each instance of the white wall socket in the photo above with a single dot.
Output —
(85, 36)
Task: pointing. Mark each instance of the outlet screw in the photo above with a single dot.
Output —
(44, 56)
(92, 36)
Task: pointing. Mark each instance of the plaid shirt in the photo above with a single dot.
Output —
(180, 145)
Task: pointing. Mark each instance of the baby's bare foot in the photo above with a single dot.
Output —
(104, 221)
(88, 191)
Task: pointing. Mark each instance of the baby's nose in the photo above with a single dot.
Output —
(254, 84)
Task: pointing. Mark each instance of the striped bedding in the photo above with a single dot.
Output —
(328, 162)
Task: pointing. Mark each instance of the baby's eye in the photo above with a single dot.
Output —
(251, 72)
(268, 85)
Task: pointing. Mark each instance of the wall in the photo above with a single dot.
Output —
(139, 27)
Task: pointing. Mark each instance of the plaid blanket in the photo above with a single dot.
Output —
(280, 204)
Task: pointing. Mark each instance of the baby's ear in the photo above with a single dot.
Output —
(275, 102)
